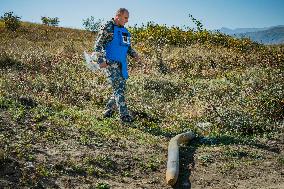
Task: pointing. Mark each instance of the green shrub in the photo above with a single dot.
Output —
(91, 25)
(50, 21)
(11, 21)
(102, 186)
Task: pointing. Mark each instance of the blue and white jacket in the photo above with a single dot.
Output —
(113, 44)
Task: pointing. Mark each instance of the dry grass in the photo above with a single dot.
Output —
(52, 133)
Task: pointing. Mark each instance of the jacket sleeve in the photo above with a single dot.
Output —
(105, 35)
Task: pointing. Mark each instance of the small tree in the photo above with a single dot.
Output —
(54, 21)
(45, 20)
(198, 24)
(50, 21)
(91, 25)
(12, 22)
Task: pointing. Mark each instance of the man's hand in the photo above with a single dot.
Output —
(103, 65)
(94, 54)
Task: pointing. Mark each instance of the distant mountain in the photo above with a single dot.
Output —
(268, 35)
(229, 31)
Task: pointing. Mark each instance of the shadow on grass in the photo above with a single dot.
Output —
(10, 173)
(229, 140)
(186, 165)
(150, 124)
(10, 63)
(13, 174)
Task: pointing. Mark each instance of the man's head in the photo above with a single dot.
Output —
(121, 16)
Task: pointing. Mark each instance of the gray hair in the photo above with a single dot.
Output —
(121, 11)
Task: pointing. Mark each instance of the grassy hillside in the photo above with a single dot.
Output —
(228, 91)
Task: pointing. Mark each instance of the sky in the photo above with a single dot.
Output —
(213, 14)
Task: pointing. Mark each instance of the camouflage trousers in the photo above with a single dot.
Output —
(118, 85)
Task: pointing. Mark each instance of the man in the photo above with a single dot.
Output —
(112, 47)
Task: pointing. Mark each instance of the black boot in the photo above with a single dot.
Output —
(126, 119)
(108, 113)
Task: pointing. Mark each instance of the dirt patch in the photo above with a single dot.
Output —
(83, 158)
(10, 173)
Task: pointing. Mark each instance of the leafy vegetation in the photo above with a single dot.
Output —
(11, 21)
(92, 25)
(50, 21)
(226, 90)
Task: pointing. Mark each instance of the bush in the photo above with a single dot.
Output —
(149, 37)
(11, 21)
(50, 21)
(102, 186)
(91, 25)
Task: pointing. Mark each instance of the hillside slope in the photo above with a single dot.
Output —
(52, 134)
